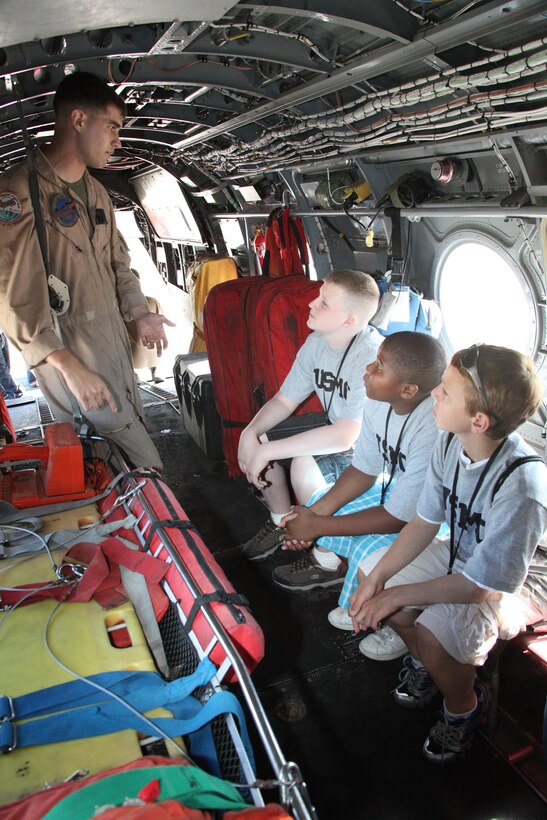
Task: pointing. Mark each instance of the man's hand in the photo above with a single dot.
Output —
(89, 389)
(151, 327)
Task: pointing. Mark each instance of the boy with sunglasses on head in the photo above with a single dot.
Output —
(451, 599)
(374, 497)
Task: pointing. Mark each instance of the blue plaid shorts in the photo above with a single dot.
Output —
(355, 547)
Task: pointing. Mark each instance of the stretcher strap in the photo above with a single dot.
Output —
(219, 597)
(186, 528)
(189, 716)
(141, 689)
(101, 580)
(107, 716)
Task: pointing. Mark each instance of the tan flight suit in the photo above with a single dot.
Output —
(86, 252)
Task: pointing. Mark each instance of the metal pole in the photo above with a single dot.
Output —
(475, 211)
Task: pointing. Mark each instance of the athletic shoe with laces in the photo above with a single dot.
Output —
(451, 739)
(267, 540)
(340, 618)
(305, 573)
(383, 645)
(416, 688)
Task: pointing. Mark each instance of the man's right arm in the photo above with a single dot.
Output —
(88, 387)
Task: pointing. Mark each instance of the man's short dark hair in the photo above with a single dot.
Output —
(417, 358)
(85, 90)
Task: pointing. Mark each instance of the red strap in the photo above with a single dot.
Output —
(101, 580)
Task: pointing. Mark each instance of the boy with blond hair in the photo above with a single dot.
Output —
(330, 363)
(451, 599)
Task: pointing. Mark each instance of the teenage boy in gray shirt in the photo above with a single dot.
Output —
(374, 498)
(450, 599)
(330, 363)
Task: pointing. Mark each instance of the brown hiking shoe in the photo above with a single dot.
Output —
(267, 540)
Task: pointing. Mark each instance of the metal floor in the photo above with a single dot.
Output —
(330, 707)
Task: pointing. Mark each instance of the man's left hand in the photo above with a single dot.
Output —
(151, 329)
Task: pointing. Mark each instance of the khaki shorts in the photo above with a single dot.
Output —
(466, 631)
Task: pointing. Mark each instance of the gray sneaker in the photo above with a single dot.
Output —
(416, 688)
(306, 574)
(267, 540)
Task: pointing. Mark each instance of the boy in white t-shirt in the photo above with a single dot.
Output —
(329, 363)
(450, 599)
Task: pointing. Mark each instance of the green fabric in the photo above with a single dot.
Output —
(191, 786)
(79, 189)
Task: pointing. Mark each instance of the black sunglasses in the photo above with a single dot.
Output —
(470, 363)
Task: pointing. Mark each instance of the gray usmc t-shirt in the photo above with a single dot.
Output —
(377, 444)
(502, 535)
(315, 369)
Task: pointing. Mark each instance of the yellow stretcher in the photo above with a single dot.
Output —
(80, 635)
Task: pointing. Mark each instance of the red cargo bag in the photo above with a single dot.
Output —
(277, 327)
(228, 351)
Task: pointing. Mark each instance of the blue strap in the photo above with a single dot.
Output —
(108, 718)
(143, 690)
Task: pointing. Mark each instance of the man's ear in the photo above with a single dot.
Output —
(77, 118)
(351, 318)
(409, 391)
(481, 422)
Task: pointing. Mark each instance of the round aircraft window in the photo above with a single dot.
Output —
(484, 297)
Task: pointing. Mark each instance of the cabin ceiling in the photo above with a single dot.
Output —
(232, 91)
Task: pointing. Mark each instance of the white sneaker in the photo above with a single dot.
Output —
(383, 645)
(340, 618)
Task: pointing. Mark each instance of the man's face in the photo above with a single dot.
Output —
(329, 311)
(449, 409)
(99, 135)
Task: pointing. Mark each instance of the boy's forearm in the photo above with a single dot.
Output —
(364, 522)
(276, 410)
(448, 589)
(334, 438)
(411, 541)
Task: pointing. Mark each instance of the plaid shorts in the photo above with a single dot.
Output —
(332, 465)
(355, 547)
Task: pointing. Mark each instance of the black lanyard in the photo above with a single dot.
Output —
(455, 547)
(395, 456)
(343, 359)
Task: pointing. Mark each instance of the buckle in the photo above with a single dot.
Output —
(8, 737)
(7, 712)
(69, 573)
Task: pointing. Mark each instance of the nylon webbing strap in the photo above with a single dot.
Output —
(186, 528)
(140, 689)
(220, 597)
(95, 713)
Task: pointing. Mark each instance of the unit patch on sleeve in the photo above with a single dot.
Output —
(64, 210)
(10, 207)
